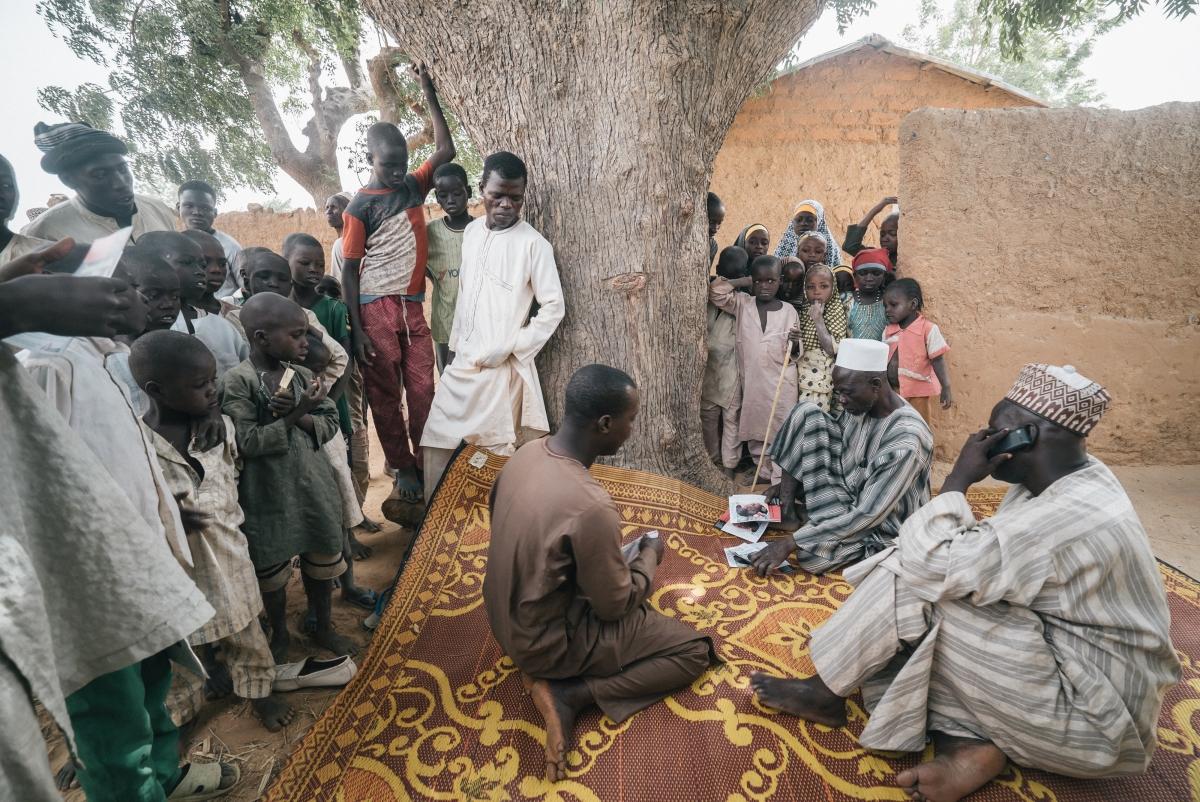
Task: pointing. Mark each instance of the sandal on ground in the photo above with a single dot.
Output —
(366, 600)
(203, 781)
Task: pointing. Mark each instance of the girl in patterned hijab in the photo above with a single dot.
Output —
(809, 215)
(823, 326)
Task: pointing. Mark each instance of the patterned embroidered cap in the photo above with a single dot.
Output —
(1060, 395)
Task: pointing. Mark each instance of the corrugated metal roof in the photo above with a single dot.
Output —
(877, 42)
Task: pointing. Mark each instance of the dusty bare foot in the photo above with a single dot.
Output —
(338, 644)
(959, 766)
(809, 699)
(558, 702)
(526, 682)
(65, 779)
(359, 550)
(274, 713)
(369, 525)
(280, 640)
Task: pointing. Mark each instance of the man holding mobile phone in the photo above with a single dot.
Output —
(1039, 635)
(563, 601)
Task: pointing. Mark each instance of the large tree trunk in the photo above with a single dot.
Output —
(618, 107)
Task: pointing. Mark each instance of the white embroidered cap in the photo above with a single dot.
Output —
(868, 356)
(1060, 395)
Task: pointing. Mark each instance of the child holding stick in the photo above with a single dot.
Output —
(287, 489)
(767, 329)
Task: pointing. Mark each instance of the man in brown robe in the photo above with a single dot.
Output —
(563, 602)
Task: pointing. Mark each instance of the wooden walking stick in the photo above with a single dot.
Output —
(787, 356)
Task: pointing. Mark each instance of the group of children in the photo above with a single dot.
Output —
(230, 413)
(775, 323)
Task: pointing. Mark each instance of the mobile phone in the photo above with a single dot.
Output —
(1021, 439)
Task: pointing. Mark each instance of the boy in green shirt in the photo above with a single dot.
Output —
(452, 191)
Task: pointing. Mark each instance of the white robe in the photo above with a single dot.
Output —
(491, 389)
(74, 219)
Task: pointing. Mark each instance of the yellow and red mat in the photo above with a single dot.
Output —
(437, 711)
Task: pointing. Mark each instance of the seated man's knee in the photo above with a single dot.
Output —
(698, 654)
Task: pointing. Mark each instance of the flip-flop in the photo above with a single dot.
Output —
(367, 600)
(203, 781)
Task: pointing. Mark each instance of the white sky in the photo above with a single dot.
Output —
(1149, 60)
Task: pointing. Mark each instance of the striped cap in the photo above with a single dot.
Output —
(68, 145)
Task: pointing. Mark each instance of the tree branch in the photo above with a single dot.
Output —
(354, 73)
(382, 72)
(279, 142)
(391, 100)
(315, 128)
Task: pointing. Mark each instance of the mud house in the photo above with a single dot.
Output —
(828, 129)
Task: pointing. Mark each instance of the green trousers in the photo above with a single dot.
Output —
(127, 745)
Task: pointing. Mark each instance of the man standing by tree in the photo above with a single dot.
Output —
(197, 205)
(92, 163)
(383, 281)
(335, 208)
(490, 394)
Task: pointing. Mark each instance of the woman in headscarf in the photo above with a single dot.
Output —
(809, 215)
(755, 240)
(12, 244)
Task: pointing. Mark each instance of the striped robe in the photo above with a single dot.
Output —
(862, 477)
(1043, 630)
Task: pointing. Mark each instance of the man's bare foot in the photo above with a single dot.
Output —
(408, 487)
(369, 525)
(359, 551)
(809, 699)
(274, 713)
(959, 766)
(559, 702)
(280, 640)
(65, 780)
(338, 644)
(219, 683)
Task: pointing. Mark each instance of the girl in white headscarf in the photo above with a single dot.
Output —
(809, 215)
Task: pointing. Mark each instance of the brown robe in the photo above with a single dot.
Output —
(562, 601)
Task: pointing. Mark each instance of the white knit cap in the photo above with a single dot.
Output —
(868, 356)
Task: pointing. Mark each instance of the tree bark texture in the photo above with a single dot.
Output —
(618, 107)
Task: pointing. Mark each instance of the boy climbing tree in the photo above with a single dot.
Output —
(385, 245)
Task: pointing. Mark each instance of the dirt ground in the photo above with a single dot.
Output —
(1165, 498)
(229, 727)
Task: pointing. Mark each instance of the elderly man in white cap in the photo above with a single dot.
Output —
(858, 473)
(1039, 635)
